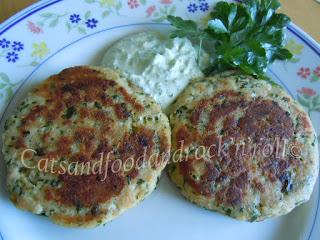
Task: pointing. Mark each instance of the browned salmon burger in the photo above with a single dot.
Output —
(243, 147)
(84, 146)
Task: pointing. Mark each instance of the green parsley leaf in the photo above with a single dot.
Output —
(218, 26)
(184, 28)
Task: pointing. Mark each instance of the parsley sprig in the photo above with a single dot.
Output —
(247, 36)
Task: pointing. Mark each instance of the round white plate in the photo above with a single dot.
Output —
(52, 35)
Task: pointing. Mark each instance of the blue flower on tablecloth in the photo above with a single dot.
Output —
(4, 43)
(192, 7)
(12, 57)
(91, 23)
(17, 46)
(204, 6)
(75, 18)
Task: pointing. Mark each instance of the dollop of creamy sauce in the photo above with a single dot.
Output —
(161, 66)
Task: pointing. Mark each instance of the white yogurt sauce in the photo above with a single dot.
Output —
(162, 67)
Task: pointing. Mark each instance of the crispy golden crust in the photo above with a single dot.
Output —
(85, 115)
(249, 150)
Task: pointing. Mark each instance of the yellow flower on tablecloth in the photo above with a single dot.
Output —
(204, 21)
(109, 3)
(40, 50)
(294, 47)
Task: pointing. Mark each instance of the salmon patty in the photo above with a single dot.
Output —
(243, 147)
(84, 146)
